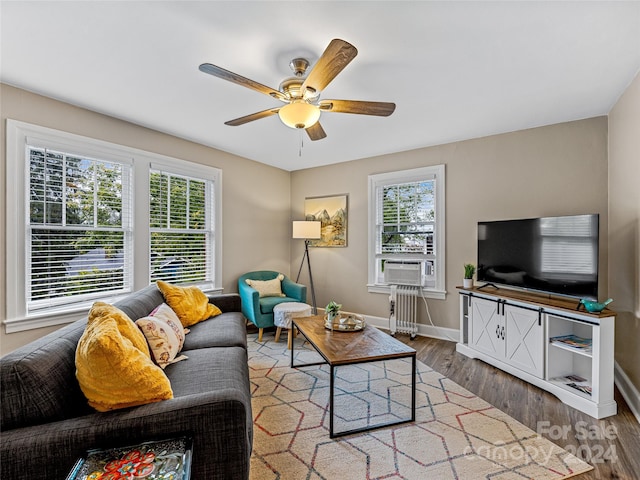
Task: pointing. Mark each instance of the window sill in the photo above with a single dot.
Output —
(427, 292)
(31, 323)
(64, 315)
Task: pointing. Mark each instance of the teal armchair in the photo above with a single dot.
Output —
(259, 311)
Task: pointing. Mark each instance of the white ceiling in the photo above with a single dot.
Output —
(456, 70)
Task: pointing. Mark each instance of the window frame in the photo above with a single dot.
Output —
(18, 136)
(32, 227)
(434, 173)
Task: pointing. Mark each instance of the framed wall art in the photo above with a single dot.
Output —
(331, 211)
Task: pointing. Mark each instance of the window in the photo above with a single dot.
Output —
(180, 228)
(406, 227)
(72, 204)
(78, 230)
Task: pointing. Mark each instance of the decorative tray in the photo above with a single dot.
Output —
(344, 322)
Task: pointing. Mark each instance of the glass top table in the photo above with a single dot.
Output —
(339, 348)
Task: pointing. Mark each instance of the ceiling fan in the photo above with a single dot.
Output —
(302, 94)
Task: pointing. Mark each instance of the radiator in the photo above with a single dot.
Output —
(403, 305)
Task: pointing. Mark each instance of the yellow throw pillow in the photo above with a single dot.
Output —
(268, 288)
(165, 335)
(190, 303)
(113, 366)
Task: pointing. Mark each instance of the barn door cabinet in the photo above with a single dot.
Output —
(544, 341)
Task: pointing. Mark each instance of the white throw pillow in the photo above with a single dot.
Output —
(165, 335)
(268, 288)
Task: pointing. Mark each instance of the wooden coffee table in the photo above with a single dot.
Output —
(350, 348)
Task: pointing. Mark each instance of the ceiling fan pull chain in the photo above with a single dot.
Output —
(301, 142)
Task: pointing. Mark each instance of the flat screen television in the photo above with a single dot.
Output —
(556, 255)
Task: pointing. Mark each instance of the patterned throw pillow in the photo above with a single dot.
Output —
(113, 366)
(165, 335)
(190, 303)
(268, 288)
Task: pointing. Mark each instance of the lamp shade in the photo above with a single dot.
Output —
(299, 114)
(304, 229)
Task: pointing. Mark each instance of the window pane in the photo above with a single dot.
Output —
(179, 257)
(158, 196)
(178, 202)
(197, 205)
(66, 263)
(109, 194)
(45, 187)
(37, 185)
(407, 218)
(79, 191)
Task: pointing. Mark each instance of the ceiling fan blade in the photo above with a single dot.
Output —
(332, 61)
(254, 116)
(240, 80)
(380, 109)
(316, 132)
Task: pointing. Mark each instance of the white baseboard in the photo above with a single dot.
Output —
(443, 333)
(628, 390)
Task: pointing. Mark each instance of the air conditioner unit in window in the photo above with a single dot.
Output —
(403, 273)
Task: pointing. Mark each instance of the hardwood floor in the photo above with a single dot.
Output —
(611, 445)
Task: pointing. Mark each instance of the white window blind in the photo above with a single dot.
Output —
(406, 218)
(79, 228)
(181, 228)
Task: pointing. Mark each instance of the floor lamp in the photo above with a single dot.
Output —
(307, 230)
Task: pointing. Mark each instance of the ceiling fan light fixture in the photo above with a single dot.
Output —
(299, 114)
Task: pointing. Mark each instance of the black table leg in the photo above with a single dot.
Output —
(331, 387)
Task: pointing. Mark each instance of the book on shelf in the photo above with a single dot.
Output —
(574, 342)
(575, 381)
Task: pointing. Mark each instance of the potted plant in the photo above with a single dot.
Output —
(469, 270)
(332, 309)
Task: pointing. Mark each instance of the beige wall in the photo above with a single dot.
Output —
(624, 228)
(554, 170)
(255, 196)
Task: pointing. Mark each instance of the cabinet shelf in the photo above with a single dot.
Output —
(557, 342)
(569, 386)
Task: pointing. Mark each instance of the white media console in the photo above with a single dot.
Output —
(545, 341)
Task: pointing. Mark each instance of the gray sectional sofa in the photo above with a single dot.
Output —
(46, 424)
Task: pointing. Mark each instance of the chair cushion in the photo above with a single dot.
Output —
(268, 288)
(267, 303)
(113, 365)
(190, 303)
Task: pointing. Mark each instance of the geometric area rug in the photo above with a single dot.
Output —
(456, 434)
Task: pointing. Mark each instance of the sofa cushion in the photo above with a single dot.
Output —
(164, 334)
(226, 330)
(113, 365)
(218, 368)
(190, 303)
(35, 377)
